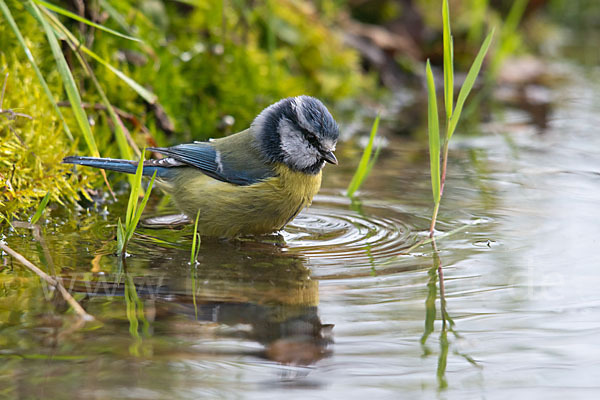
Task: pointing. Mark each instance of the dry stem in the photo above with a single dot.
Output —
(52, 281)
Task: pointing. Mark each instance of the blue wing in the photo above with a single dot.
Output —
(239, 168)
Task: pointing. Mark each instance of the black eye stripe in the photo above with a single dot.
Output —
(312, 138)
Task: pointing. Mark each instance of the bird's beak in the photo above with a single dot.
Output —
(329, 157)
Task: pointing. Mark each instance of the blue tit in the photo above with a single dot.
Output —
(250, 183)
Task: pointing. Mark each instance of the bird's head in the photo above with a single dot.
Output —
(298, 132)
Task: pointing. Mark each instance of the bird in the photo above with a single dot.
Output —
(253, 182)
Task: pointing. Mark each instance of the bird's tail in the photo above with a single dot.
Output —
(113, 164)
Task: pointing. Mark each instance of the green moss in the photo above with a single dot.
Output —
(31, 150)
(217, 62)
(204, 62)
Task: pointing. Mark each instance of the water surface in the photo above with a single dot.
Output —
(335, 307)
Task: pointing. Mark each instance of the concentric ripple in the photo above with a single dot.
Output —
(331, 231)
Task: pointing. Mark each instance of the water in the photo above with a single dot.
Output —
(335, 307)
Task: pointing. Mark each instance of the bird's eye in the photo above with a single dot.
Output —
(312, 138)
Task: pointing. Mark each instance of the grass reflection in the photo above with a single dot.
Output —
(135, 314)
(435, 285)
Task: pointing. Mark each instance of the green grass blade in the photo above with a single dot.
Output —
(134, 193)
(143, 92)
(122, 22)
(363, 166)
(120, 236)
(448, 60)
(86, 21)
(468, 84)
(195, 248)
(373, 160)
(74, 42)
(509, 37)
(134, 212)
(40, 209)
(124, 148)
(478, 10)
(514, 16)
(141, 207)
(7, 14)
(434, 135)
(68, 81)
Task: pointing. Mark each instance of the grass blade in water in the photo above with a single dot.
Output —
(448, 61)
(134, 194)
(142, 205)
(40, 209)
(468, 84)
(134, 212)
(434, 135)
(195, 247)
(364, 165)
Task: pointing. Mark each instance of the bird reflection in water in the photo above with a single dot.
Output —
(244, 290)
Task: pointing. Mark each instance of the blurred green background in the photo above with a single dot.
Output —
(208, 67)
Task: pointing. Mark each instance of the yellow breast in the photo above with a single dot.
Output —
(228, 210)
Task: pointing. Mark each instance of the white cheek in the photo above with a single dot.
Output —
(297, 151)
